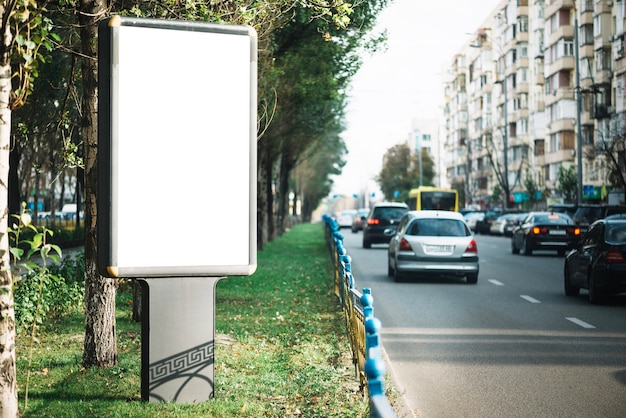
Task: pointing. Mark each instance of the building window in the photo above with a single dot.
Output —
(522, 126)
(554, 142)
(603, 60)
(539, 9)
(522, 49)
(586, 35)
(522, 23)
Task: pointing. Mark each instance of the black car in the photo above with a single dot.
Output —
(383, 216)
(545, 231)
(598, 263)
(587, 214)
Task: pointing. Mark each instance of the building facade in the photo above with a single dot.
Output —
(517, 105)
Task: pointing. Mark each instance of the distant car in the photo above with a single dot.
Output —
(514, 223)
(587, 214)
(483, 226)
(430, 242)
(545, 231)
(381, 222)
(360, 220)
(504, 224)
(472, 218)
(598, 263)
(345, 218)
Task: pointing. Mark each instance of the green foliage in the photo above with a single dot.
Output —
(33, 36)
(496, 194)
(568, 183)
(401, 171)
(531, 187)
(42, 289)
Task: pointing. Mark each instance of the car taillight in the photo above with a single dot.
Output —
(614, 255)
(404, 245)
(472, 247)
(373, 221)
(573, 231)
(537, 230)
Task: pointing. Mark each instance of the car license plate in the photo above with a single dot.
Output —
(439, 249)
(557, 232)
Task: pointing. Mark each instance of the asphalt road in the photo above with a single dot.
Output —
(512, 345)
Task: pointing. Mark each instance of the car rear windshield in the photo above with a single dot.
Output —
(387, 214)
(438, 228)
(553, 219)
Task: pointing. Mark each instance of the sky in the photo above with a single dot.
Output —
(403, 83)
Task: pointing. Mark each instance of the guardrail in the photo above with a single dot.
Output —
(363, 328)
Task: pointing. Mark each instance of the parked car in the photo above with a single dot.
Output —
(430, 242)
(381, 222)
(360, 220)
(345, 218)
(587, 214)
(545, 231)
(598, 263)
(505, 224)
(472, 218)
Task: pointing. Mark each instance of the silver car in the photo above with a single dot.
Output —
(431, 242)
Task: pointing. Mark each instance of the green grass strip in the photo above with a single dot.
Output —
(281, 349)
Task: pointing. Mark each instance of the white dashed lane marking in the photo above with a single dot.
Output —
(529, 299)
(497, 283)
(579, 322)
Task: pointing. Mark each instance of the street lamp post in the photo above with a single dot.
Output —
(505, 145)
(579, 141)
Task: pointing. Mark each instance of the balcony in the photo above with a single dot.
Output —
(601, 111)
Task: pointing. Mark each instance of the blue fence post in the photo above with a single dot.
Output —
(374, 364)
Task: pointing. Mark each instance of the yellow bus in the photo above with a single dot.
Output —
(433, 198)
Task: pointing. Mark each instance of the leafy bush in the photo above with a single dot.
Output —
(49, 292)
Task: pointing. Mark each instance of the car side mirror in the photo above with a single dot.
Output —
(390, 232)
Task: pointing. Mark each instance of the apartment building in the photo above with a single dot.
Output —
(512, 111)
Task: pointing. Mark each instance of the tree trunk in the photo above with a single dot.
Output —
(8, 379)
(100, 348)
(15, 201)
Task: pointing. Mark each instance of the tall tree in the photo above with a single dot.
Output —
(568, 183)
(25, 34)
(614, 151)
(100, 346)
(401, 171)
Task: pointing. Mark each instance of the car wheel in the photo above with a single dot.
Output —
(367, 244)
(567, 279)
(527, 248)
(471, 278)
(514, 249)
(390, 270)
(397, 276)
(595, 296)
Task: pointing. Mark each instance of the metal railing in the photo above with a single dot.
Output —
(363, 328)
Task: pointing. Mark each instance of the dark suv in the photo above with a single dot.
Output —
(383, 216)
(587, 214)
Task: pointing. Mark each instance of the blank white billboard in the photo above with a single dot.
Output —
(177, 148)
